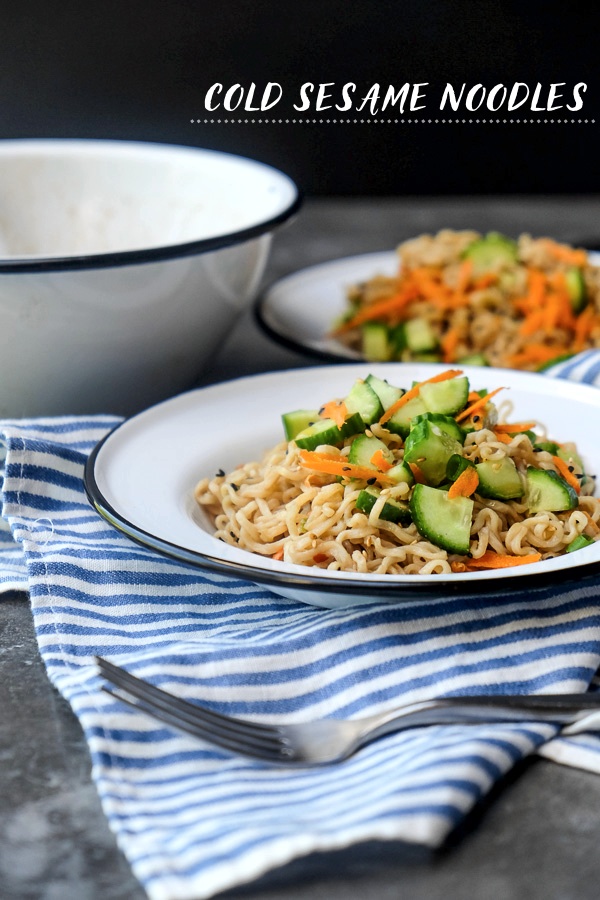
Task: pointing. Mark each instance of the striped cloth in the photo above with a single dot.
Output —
(193, 820)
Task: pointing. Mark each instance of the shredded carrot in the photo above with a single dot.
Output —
(339, 465)
(381, 308)
(479, 404)
(379, 460)
(336, 410)
(413, 392)
(536, 354)
(514, 428)
(566, 473)
(458, 566)
(583, 326)
(320, 557)
(567, 255)
(465, 484)
(449, 343)
(502, 438)
(464, 276)
(418, 473)
(279, 554)
(493, 560)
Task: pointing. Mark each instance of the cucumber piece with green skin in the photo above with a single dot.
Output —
(474, 359)
(444, 423)
(547, 491)
(499, 480)
(353, 425)
(399, 423)
(362, 399)
(375, 342)
(323, 431)
(387, 393)
(430, 449)
(426, 357)
(576, 288)
(491, 253)
(548, 446)
(297, 420)
(401, 474)
(456, 465)
(363, 448)
(444, 521)
(578, 543)
(419, 336)
(393, 510)
(446, 397)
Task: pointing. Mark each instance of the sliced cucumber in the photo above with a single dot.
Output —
(444, 521)
(419, 336)
(499, 480)
(401, 474)
(392, 511)
(446, 397)
(353, 425)
(362, 399)
(387, 393)
(375, 342)
(430, 356)
(547, 491)
(296, 421)
(363, 448)
(399, 423)
(430, 449)
(444, 423)
(323, 431)
(491, 253)
(578, 543)
(576, 288)
(549, 446)
(456, 465)
(474, 359)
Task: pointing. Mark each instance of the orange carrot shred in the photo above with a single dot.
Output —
(335, 410)
(418, 473)
(381, 308)
(514, 428)
(479, 404)
(565, 473)
(339, 465)
(502, 438)
(465, 484)
(493, 560)
(279, 554)
(449, 343)
(319, 557)
(413, 392)
(379, 460)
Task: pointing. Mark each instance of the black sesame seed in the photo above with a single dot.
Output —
(346, 468)
(580, 476)
(371, 480)
(537, 449)
(220, 474)
(234, 487)
(322, 410)
(476, 418)
(571, 468)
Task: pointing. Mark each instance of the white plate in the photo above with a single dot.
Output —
(141, 477)
(299, 310)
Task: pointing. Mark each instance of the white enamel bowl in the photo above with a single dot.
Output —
(197, 433)
(122, 267)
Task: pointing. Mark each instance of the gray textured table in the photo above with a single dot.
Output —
(537, 836)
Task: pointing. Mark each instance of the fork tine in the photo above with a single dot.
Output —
(268, 753)
(235, 734)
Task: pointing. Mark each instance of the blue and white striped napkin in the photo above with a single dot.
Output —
(194, 821)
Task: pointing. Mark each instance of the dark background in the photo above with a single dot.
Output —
(140, 70)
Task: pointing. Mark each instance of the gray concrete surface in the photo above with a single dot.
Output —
(535, 837)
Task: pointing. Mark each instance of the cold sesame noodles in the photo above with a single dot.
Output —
(288, 506)
(459, 296)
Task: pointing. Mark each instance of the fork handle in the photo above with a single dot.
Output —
(556, 709)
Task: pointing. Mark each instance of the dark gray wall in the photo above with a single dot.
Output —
(133, 69)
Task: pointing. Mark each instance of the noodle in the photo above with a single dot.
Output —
(279, 508)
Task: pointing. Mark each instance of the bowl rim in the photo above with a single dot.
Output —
(118, 258)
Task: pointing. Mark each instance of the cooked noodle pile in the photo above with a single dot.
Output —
(513, 304)
(279, 508)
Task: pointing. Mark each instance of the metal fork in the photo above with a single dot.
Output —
(332, 740)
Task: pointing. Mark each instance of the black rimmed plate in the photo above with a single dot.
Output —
(141, 477)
